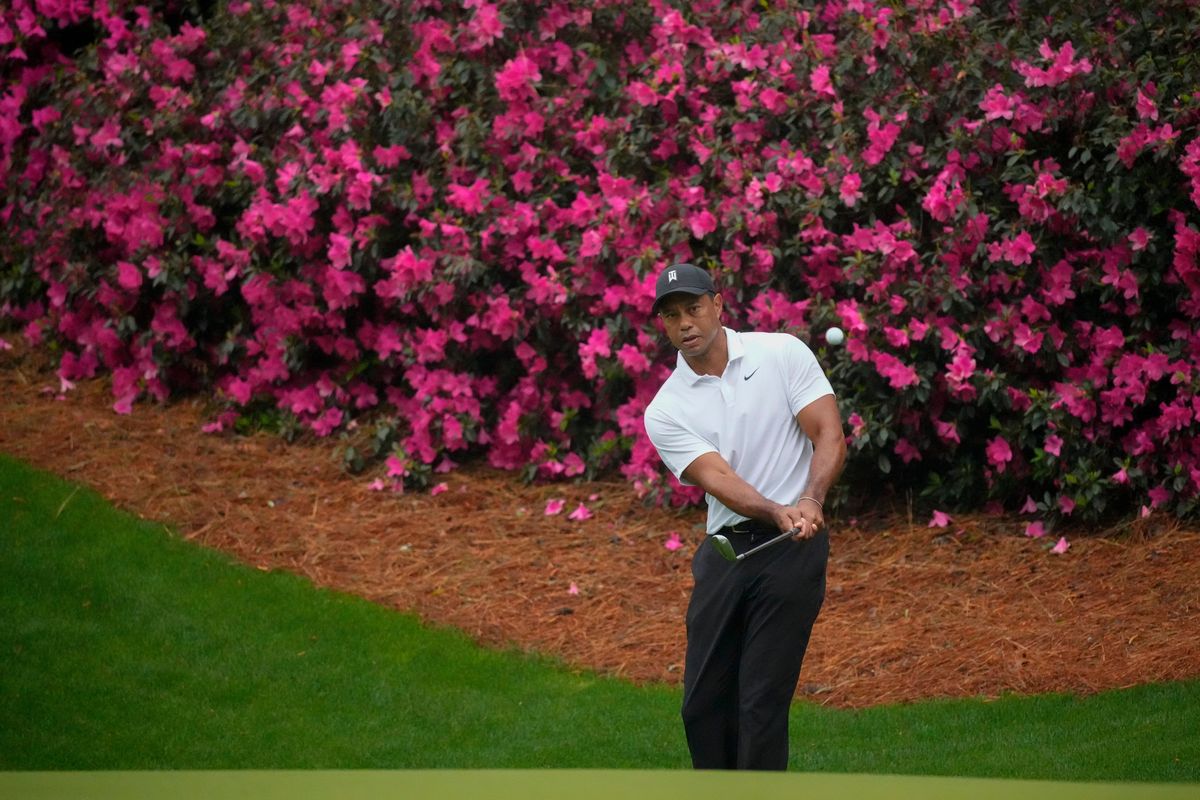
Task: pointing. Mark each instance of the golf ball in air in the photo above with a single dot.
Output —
(834, 335)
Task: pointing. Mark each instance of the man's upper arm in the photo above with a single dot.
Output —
(704, 469)
(806, 380)
(677, 446)
(811, 394)
(821, 418)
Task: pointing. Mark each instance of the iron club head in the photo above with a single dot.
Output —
(723, 546)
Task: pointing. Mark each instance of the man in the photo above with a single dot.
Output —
(751, 419)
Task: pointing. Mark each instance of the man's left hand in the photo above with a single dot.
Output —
(812, 518)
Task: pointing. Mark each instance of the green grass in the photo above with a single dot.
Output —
(124, 647)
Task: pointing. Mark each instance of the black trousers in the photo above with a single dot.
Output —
(748, 625)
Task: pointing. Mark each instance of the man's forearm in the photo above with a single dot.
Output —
(829, 456)
(740, 497)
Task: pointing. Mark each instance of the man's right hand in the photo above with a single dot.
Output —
(798, 518)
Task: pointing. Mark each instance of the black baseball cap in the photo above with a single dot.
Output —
(686, 278)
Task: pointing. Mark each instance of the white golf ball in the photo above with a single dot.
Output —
(834, 335)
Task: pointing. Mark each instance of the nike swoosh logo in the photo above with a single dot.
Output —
(751, 375)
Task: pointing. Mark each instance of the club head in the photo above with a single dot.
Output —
(723, 546)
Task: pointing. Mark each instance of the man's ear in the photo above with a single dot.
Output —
(718, 303)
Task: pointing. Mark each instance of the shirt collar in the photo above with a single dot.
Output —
(733, 340)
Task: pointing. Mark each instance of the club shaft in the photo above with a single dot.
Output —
(781, 537)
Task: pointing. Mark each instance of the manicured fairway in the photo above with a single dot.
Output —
(557, 784)
(124, 647)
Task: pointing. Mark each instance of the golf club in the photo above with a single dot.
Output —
(725, 547)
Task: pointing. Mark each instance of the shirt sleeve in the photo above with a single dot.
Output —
(805, 378)
(677, 446)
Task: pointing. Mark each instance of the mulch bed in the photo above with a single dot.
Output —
(975, 609)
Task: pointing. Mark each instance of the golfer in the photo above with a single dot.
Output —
(751, 419)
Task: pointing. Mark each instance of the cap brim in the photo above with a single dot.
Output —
(692, 290)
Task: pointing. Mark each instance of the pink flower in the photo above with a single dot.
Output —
(441, 487)
(129, 276)
(898, 374)
(1062, 546)
(1030, 506)
(1146, 108)
(642, 94)
(485, 26)
(1058, 284)
(897, 337)
(673, 542)
(471, 199)
(1018, 250)
(940, 519)
(239, 390)
(820, 83)
(1140, 238)
(580, 513)
(574, 465)
(1035, 530)
(857, 425)
(961, 368)
(907, 451)
(339, 250)
(774, 101)
(377, 485)
(1066, 504)
(997, 105)
(999, 453)
(881, 137)
(1026, 339)
(44, 116)
(947, 431)
(1063, 66)
(554, 506)
(396, 467)
(516, 78)
(597, 345)
(702, 223)
(573, 589)
(317, 71)
(1053, 445)
(633, 359)
(850, 190)
(1158, 495)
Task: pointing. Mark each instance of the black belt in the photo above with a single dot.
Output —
(747, 526)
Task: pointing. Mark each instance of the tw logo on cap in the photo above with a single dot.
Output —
(687, 278)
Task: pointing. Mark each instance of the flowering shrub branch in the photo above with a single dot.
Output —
(448, 217)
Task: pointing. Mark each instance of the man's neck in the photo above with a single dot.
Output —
(714, 361)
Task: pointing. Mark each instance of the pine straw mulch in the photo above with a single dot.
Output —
(911, 612)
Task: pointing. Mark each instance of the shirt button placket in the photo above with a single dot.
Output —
(727, 392)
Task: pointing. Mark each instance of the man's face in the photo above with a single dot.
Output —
(691, 321)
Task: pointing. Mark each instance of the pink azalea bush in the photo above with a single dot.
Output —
(446, 218)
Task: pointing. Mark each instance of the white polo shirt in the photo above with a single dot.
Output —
(748, 416)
